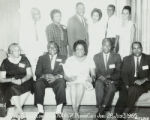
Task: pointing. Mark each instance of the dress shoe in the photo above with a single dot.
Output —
(59, 117)
(39, 116)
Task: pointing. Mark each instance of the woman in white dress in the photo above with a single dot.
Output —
(127, 32)
(96, 32)
(78, 72)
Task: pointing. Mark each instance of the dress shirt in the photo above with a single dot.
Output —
(106, 57)
(53, 59)
(81, 20)
(112, 27)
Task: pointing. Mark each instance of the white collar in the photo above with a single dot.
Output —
(54, 57)
(106, 54)
(135, 58)
(15, 61)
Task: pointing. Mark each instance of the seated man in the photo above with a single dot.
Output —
(136, 75)
(107, 75)
(49, 73)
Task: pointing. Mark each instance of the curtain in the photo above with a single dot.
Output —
(9, 22)
(141, 16)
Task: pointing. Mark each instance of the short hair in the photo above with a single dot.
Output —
(83, 43)
(107, 40)
(34, 9)
(12, 45)
(136, 42)
(54, 11)
(98, 11)
(54, 43)
(112, 6)
(79, 3)
(127, 8)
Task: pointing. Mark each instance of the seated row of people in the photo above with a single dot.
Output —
(106, 71)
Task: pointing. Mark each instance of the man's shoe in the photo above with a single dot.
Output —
(59, 117)
(39, 116)
(100, 116)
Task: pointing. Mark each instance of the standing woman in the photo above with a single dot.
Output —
(96, 32)
(57, 32)
(78, 70)
(16, 80)
(127, 32)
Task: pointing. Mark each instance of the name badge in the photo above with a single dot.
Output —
(21, 65)
(3, 74)
(59, 60)
(145, 67)
(112, 66)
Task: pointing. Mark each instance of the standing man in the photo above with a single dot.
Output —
(136, 76)
(49, 73)
(77, 27)
(112, 27)
(107, 76)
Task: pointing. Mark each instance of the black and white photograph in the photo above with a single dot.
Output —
(74, 59)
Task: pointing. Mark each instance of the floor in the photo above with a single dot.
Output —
(86, 113)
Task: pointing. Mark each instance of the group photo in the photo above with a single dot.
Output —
(75, 60)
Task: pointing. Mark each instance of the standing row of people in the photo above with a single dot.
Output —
(121, 31)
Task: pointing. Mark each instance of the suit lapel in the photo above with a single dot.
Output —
(102, 60)
(79, 21)
(49, 62)
(141, 62)
(133, 65)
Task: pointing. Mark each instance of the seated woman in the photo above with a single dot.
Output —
(16, 79)
(77, 71)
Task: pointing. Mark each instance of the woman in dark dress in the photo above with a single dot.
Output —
(57, 32)
(16, 80)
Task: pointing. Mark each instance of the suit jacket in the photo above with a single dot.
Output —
(128, 69)
(44, 65)
(113, 66)
(76, 31)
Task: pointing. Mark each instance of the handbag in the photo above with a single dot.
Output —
(3, 108)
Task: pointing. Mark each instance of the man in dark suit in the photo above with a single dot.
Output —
(135, 75)
(77, 27)
(107, 76)
(49, 73)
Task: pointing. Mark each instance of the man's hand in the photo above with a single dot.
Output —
(140, 82)
(16, 81)
(108, 82)
(102, 78)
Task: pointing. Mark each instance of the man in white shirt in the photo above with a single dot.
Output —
(112, 27)
(49, 73)
(107, 76)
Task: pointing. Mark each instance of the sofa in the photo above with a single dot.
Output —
(88, 99)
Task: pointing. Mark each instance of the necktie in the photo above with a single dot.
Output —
(52, 65)
(83, 22)
(137, 67)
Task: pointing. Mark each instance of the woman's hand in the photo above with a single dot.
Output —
(16, 81)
